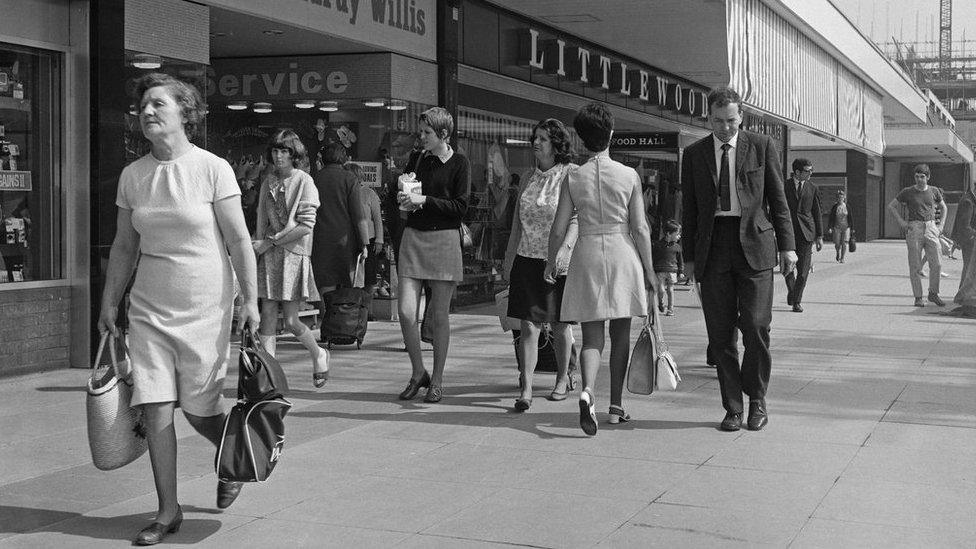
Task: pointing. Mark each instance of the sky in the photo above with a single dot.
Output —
(883, 19)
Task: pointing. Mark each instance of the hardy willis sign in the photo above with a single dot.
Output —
(402, 26)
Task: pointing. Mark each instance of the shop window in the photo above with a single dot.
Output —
(31, 232)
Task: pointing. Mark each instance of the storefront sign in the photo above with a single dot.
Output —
(316, 77)
(404, 26)
(560, 57)
(15, 180)
(644, 141)
(372, 173)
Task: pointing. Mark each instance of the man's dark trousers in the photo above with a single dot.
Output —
(738, 297)
(796, 280)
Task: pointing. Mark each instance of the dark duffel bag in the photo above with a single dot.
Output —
(260, 376)
(346, 313)
(252, 441)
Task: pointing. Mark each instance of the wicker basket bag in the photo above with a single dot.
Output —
(116, 434)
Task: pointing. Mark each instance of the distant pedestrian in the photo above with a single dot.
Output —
(735, 218)
(839, 226)
(180, 214)
(430, 249)
(922, 230)
(341, 231)
(668, 265)
(611, 271)
(964, 234)
(374, 217)
(803, 198)
(533, 299)
(287, 203)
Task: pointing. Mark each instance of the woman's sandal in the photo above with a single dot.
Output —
(618, 415)
(558, 396)
(522, 404)
(319, 378)
(587, 413)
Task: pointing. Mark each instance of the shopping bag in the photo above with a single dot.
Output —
(116, 435)
(260, 375)
(501, 309)
(252, 440)
(852, 243)
(359, 272)
(642, 370)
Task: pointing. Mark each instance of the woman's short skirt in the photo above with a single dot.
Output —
(431, 255)
(530, 297)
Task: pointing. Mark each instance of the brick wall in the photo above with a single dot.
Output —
(34, 330)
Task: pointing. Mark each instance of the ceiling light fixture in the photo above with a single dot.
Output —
(146, 61)
(328, 106)
(396, 105)
(374, 102)
(304, 104)
(262, 108)
(237, 105)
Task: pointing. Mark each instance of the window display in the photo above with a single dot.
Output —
(30, 181)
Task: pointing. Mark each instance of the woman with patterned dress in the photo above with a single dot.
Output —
(180, 214)
(287, 203)
(611, 271)
(532, 298)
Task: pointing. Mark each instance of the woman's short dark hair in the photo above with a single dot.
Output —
(287, 139)
(923, 168)
(439, 120)
(562, 149)
(334, 153)
(186, 95)
(594, 125)
(720, 97)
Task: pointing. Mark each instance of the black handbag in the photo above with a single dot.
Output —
(254, 430)
(260, 376)
(852, 243)
(252, 441)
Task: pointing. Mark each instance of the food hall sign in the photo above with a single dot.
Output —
(644, 141)
(557, 57)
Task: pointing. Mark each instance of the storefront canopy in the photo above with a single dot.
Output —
(766, 48)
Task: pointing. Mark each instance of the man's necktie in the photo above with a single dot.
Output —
(724, 191)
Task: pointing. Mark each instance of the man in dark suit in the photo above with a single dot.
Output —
(729, 181)
(803, 198)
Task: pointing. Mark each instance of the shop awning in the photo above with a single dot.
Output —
(926, 145)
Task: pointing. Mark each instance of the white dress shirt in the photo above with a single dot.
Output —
(736, 210)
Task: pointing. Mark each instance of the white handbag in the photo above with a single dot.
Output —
(116, 435)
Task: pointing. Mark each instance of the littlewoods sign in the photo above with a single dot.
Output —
(558, 57)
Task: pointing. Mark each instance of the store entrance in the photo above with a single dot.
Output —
(654, 155)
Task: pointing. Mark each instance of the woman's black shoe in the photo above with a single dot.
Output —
(413, 387)
(155, 532)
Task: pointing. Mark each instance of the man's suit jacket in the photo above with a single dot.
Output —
(760, 190)
(805, 210)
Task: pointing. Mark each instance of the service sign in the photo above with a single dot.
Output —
(644, 141)
(372, 173)
(15, 180)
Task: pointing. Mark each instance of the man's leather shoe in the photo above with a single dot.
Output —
(797, 308)
(732, 422)
(227, 492)
(757, 415)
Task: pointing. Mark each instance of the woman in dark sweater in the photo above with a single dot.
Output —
(430, 249)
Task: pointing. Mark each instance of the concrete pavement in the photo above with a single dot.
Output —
(871, 443)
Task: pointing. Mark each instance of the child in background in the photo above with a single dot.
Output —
(667, 264)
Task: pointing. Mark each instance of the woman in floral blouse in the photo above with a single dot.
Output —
(533, 298)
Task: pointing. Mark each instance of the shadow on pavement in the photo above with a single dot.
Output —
(20, 520)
